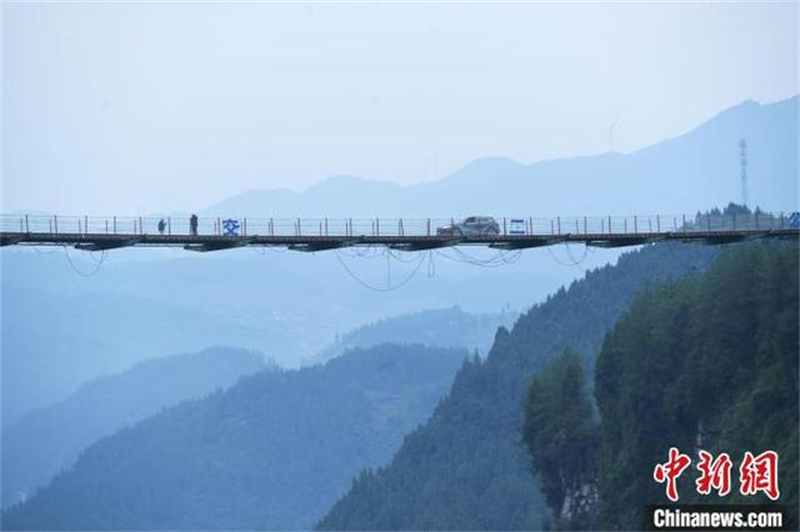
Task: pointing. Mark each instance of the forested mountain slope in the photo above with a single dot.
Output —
(708, 363)
(273, 452)
(705, 363)
(466, 469)
(49, 439)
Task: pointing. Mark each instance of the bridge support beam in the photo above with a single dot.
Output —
(525, 244)
(106, 244)
(205, 247)
(713, 240)
(10, 241)
(620, 242)
(423, 246)
(317, 246)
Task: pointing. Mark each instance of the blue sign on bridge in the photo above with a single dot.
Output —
(794, 220)
(230, 227)
(517, 227)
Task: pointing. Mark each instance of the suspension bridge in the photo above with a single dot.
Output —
(203, 234)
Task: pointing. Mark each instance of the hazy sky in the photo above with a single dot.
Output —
(133, 108)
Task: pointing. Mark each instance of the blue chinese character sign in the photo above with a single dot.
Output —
(230, 227)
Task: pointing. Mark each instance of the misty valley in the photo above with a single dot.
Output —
(396, 434)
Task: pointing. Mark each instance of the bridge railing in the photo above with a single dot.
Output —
(355, 227)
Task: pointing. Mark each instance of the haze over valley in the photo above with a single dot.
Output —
(483, 351)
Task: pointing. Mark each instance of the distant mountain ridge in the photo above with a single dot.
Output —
(272, 452)
(53, 342)
(48, 440)
(447, 327)
(681, 175)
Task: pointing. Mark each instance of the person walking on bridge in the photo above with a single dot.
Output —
(193, 224)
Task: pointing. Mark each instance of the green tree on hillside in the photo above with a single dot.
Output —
(561, 436)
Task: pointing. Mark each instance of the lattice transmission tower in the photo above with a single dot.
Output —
(743, 166)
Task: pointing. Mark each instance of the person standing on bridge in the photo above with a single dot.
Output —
(161, 226)
(193, 224)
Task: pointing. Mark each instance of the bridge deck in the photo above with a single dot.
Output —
(97, 234)
(95, 242)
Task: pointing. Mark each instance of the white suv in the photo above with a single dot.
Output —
(472, 226)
